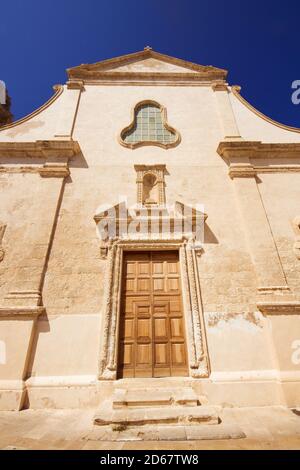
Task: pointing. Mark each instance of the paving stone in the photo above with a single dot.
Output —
(172, 433)
(214, 432)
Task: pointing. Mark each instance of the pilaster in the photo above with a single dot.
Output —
(226, 115)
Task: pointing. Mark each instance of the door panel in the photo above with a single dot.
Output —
(152, 337)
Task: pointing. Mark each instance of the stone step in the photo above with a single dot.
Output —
(167, 433)
(155, 382)
(153, 397)
(124, 417)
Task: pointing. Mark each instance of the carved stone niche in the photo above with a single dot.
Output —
(2, 231)
(150, 185)
(296, 227)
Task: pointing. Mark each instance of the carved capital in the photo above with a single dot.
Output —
(241, 170)
(54, 170)
(75, 85)
(219, 86)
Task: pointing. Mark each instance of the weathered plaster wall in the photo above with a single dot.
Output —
(67, 340)
(196, 175)
(281, 195)
(28, 206)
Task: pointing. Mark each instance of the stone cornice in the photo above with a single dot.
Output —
(21, 313)
(257, 149)
(279, 308)
(133, 82)
(54, 156)
(143, 167)
(248, 158)
(89, 75)
(58, 149)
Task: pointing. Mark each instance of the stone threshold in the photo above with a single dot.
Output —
(167, 433)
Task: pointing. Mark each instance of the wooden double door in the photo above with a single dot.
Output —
(151, 335)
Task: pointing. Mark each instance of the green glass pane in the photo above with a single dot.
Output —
(148, 125)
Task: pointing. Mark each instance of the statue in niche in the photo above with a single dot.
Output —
(150, 190)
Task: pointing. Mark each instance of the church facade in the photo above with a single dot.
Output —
(149, 236)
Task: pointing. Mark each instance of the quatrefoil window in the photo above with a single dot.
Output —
(149, 127)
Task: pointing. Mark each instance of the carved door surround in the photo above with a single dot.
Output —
(194, 323)
(296, 227)
(2, 231)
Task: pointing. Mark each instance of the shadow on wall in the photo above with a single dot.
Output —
(78, 161)
(209, 236)
(43, 326)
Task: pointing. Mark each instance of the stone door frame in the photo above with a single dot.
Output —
(198, 361)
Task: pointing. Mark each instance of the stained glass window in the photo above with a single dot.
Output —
(148, 126)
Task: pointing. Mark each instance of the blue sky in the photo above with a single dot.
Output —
(257, 41)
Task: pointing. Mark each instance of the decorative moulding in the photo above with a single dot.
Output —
(279, 308)
(196, 339)
(105, 71)
(57, 150)
(54, 155)
(2, 231)
(21, 313)
(134, 145)
(54, 171)
(270, 289)
(241, 170)
(257, 149)
(296, 227)
(58, 91)
(235, 89)
(23, 298)
(75, 85)
(220, 86)
(159, 223)
(248, 158)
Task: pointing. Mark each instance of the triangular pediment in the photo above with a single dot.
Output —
(177, 211)
(145, 64)
(117, 223)
(150, 65)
